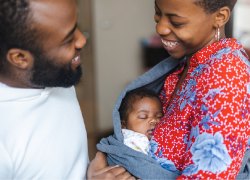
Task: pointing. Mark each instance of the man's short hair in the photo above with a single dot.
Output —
(131, 97)
(211, 6)
(16, 29)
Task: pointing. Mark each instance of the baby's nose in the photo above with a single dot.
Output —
(153, 121)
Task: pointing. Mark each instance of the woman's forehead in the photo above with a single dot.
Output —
(181, 8)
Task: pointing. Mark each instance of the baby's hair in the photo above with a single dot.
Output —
(211, 6)
(131, 97)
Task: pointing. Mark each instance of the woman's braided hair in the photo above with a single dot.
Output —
(211, 6)
(15, 29)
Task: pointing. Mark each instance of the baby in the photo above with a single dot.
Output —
(140, 112)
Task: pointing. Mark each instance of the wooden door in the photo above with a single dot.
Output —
(85, 90)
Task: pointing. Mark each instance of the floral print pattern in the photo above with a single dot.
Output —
(248, 143)
(136, 141)
(205, 129)
(164, 162)
(209, 154)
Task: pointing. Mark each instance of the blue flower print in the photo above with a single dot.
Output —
(209, 154)
(248, 71)
(248, 89)
(212, 93)
(238, 42)
(190, 93)
(167, 164)
(221, 53)
(153, 149)
(198, 70)
(194, 133)
(164, 162)
(248, 143)
(239, 53)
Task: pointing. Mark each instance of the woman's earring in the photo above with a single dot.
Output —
(217, 34)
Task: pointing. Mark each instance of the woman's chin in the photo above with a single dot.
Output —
(176, 55)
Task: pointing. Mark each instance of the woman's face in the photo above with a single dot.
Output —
(183, 26)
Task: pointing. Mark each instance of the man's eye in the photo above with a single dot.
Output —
(70, 41)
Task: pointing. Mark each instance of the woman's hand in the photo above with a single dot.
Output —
(99, 169)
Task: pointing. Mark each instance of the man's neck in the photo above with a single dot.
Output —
(12, 82)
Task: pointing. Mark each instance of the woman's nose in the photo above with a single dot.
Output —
(162, 27)
(80, 39)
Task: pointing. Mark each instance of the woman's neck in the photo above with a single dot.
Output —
(213, 40)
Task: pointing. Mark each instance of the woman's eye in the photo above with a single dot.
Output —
(176, 24)
(157, 13)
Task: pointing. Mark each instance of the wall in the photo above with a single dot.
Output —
(118, 26)
(241, 22)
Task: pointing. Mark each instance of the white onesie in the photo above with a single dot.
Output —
(136, 141)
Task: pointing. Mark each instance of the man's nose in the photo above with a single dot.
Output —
(80, 39)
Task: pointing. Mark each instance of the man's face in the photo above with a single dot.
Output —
(45, 73)
(57, 63)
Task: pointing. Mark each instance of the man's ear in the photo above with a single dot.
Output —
(20, 58)
(123, 124)
(222, 16)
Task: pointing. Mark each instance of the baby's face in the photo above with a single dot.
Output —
(147, 113)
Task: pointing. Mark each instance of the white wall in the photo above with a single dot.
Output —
(241, 22)
(119, 26)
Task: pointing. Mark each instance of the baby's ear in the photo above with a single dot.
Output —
(123, 124)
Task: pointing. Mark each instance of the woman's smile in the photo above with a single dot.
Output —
(170, 45)
(183, 26)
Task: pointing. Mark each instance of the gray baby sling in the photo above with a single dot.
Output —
(137, 163)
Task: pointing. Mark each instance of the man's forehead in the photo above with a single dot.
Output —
(52, 8)
(53, 18)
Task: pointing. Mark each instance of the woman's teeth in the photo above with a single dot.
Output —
(169, 44)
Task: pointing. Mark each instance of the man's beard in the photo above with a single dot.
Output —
(47, 74)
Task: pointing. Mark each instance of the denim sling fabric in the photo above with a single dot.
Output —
(137, 163)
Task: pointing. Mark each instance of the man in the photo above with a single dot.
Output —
(42, 134)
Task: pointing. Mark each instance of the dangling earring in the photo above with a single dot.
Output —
(217, 34)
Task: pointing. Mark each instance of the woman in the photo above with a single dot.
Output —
(205, 129)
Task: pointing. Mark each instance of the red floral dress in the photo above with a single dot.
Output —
(206, 126)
